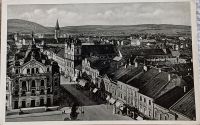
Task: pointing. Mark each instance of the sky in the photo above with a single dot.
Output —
(103, 14)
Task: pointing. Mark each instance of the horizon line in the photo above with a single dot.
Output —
(103, 24)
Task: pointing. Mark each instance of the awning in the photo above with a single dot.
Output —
(82, 83)
(112, 101)
(108, 97)
(95, 90)
(118, 104)
(139, 118)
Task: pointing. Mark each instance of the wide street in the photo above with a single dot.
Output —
(92, 110)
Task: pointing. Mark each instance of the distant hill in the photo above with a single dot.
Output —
(17, 25)
(130, 29)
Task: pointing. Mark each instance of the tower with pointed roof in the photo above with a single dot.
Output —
(57, 30)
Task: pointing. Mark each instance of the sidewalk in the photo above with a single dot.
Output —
(35, 114)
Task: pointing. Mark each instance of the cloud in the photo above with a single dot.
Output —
(104, 14)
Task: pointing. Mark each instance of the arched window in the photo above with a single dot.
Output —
(28, 71)
(42, 82)
(17, 71)
(37, 70)
(33, 83)
(33, 71)
(24, 84)
(42, 92)
(47, 69)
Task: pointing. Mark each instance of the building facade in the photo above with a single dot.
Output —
(35, 79)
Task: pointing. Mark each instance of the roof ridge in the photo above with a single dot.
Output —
(150, 80)
(182, 98)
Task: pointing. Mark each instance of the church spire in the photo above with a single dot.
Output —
(57, 25)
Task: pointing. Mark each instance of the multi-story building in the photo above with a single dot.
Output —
(35, 79)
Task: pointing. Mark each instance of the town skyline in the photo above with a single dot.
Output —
(103, 14)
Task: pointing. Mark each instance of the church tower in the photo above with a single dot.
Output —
(72, 55)
(57, 30)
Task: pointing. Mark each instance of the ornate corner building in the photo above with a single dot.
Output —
(32, 79)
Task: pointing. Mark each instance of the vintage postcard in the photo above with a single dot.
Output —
(99, 62)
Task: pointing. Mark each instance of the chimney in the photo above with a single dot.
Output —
(145, 68)
(159, 70)
(184, 89)
(136, 64)
(169, 77)
(125, 66)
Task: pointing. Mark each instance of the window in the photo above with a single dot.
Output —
(24, 84)
(33, 92)
(140, 98)
(47, 69)
(16, 71)
(48, 91)
(37, 70)
(42, 82)
(149, 102)
(33, 83)
(56, 84)
(42, 92)
(32, 71)
(28, 71)
(144, 100)
(47, 79)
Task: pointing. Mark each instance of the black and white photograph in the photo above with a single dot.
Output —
(126, 61)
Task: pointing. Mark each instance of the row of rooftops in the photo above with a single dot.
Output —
(152, 82)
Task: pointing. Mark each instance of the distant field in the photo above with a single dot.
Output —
(17, 25)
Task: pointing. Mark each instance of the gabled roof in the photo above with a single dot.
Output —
(170, 97)
(132, 73)
(154, 85)
(186, 105)
(142, 80)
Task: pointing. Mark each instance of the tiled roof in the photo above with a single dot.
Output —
(88, 50)
(154, 85)
(100, 65)
(141, 81)
(186, 105)
(132, 73)
(170, 97)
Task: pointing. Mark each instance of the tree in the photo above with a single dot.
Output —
(74, 114)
